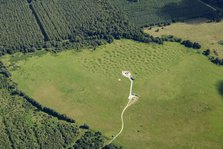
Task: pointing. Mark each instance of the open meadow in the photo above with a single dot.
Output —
(209, 35)
(181, 92)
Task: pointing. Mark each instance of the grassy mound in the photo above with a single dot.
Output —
(180, 104)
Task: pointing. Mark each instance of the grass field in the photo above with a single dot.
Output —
(181, 92)
(207, 34)
(147, 12)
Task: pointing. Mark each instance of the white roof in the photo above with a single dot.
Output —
(126, 74)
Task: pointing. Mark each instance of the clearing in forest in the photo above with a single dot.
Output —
(182, 98)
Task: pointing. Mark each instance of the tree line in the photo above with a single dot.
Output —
(13, 89)
(93, 140)
(217, 3)
(49, 132)
(214, 59)
(55, 25)
(194, 45)
(22, 126)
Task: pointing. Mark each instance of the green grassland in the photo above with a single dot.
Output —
(145, 12)
(181, 97)
(207, 34)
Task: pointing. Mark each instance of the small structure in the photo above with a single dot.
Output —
(126, 74)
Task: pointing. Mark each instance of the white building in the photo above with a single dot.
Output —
(126, 74)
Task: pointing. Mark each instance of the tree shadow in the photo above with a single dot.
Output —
(184, 10)
(220, 88)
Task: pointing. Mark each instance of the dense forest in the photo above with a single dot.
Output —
(18, 27)
(24, 125)
(216, 3)
(29, 25)
(34, 24)
(151, 12)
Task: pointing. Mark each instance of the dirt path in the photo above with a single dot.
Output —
(122, 120)
(131, 99)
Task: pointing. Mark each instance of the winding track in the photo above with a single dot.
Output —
(122, 114)
(132, 98)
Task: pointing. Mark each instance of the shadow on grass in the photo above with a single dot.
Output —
(220, 88)
(186, 9)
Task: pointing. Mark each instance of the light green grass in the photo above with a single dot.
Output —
(179, 107)
(207, 34)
